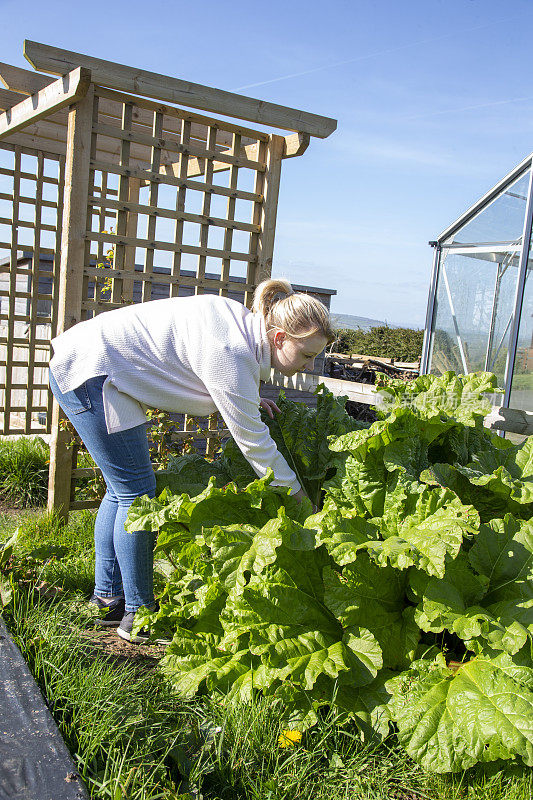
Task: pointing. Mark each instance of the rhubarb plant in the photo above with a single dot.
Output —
(404, 603)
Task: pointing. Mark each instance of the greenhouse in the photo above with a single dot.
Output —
(480, 307)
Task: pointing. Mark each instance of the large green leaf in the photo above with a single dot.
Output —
(227, 506)
(382, 464)
(284, 601)
(512, 606)
(415, 442)
(503, 552)
(190, 474)
(506, 472)
(255, 505)
(239, 551)
(298, 707)
(429, 536)
(460, 443)
(190, 601)
(370, 596)
(192, 659)
(448, 721)
(489, 504)
(172, 537)
(360, 485)
(368, 705)
(460, 397)
(355, 658)
(301, 433)
(455, 603)
(237, 466)
(342, 533)
(291, 627)
(151, 514)
(236, 550)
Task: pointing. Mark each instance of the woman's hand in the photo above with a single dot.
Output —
(270, 407)
(299, 495)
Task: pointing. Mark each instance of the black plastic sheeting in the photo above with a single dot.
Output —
(34, 761)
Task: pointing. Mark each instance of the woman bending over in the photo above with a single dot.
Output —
(190, 355)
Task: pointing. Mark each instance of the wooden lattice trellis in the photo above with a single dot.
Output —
(28, 310)
(131, 197)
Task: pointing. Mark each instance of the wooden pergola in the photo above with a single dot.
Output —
(106, 168)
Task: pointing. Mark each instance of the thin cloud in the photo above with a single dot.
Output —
(370, 55)
(467, 108)
(376, 148)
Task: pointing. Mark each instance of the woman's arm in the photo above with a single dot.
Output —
(240, 412)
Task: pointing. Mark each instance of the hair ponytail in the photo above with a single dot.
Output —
(297, 313)
(268, 293)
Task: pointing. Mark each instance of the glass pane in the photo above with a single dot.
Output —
(500, 221)
(475, 297)
(505, 290)
(522, 386)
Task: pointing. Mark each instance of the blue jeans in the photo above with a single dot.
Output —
(123, 561)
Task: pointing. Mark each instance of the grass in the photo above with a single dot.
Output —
(24, 464)
(131, 738)
(64, 553)
(24, 471)
(120, 724)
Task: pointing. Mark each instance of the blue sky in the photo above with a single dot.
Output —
(434, 102)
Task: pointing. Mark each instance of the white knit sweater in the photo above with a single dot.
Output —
(189, 355)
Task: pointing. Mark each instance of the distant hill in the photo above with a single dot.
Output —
(353, 323)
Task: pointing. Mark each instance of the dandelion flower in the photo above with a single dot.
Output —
(289, 738)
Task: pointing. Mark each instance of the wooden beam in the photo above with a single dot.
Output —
(23, 80)
(143, 104)
(9, 99)
(54, 129)
(168, 213)
(169, 178)
(47, 134)
(296, 144)
(305, 382)
(152, 84)
(63, 92)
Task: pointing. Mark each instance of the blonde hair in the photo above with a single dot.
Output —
(297, 313)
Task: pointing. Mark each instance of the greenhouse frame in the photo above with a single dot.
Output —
(480, 305)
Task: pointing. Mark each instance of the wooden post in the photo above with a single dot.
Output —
(131, 231)
(265, 213)
(74, 247)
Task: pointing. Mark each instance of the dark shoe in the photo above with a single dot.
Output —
(125, 628)
(114, 612)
